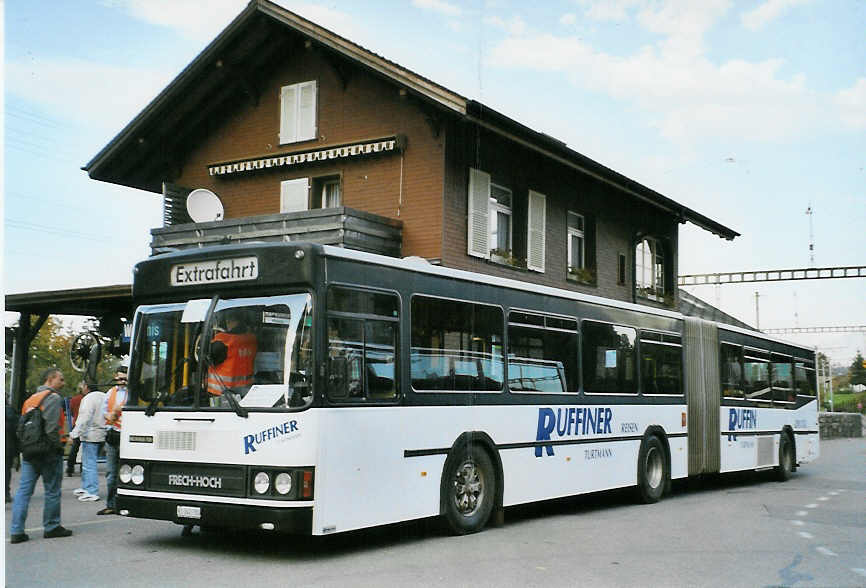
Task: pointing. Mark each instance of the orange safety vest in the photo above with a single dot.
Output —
(35, 400)
(237, 369)
(112, 398)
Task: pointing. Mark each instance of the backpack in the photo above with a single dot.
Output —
(32, 440)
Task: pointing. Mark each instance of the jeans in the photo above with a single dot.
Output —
(73, 455)
(89, 475)
(50, 468)
(112, 455)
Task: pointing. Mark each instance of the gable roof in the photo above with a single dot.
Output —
(223, 74)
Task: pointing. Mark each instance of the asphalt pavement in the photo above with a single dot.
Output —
(735, 530)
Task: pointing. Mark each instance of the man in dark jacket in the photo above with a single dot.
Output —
(74, 405)
(49, 466)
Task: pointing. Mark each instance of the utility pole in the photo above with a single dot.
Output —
(811, 237)
(757, 312)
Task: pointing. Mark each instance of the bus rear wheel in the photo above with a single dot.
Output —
(469, 490)
(786, 458)
(652, 471)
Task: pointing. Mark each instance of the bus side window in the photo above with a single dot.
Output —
(362, 345)
(456, 346)
(608, 358)
(661, 363)
(731, 372)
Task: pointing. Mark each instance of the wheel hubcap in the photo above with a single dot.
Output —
(468, 488)
(654, 467)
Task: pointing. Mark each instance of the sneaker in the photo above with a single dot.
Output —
(57, 531)
(19, 538)
(106, 511)
(79, 491)
(88, 498)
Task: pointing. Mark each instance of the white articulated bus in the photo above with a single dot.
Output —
(386, 390)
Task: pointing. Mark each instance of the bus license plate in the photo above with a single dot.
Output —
(189, 512)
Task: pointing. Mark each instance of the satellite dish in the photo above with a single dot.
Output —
(204, 206)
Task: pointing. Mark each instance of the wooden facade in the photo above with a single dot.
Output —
(418, 184)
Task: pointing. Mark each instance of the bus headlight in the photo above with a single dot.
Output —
(137, 474)
(262, 483)
(125, 474)
(283, 483)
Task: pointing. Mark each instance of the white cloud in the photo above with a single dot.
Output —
(444, 8)
(759, 17)
(514, 26)
(191, 18)
(689, 96)
(105, 96)
(568, 19)
(608, 10)
(204, 21)
(852, 104)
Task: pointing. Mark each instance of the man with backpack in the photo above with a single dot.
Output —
(41, 445)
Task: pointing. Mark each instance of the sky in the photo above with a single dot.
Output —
(747, 112)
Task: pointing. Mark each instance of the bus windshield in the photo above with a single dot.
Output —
(258, 349)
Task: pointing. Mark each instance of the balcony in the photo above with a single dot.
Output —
(342, 227)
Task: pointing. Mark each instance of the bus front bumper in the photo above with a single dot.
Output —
(234, 516)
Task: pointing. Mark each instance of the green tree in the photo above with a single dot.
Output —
(50, 348)
(857, 371)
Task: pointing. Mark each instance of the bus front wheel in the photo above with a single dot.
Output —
(469, 490)
(786, 458)
(651, 470)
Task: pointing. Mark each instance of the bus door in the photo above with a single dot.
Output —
(702, 393)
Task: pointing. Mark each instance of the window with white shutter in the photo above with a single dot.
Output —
(535, 231)
(294, 195)
(298, 112)
(478, 227)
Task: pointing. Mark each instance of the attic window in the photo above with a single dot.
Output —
(298, 112)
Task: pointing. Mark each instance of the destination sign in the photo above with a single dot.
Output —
(216, 271)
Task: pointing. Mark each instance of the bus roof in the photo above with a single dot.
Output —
(422, 266)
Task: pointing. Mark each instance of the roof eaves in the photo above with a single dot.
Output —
(557, 150)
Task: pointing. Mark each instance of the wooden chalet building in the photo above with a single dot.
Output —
(305, 135)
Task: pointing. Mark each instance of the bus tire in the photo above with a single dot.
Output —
(652, 471)
(786, 458)
(468, 489)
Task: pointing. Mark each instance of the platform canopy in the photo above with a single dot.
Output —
(99, 301)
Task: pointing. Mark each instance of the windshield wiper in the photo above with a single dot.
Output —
(206, 362)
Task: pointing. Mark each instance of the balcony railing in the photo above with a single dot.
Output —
(343, 227)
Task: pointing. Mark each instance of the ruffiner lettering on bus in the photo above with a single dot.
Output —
(570, 422)
(267, 340)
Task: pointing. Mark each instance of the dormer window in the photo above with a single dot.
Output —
(298, 112)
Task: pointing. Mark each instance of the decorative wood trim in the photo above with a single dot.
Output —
(345, 151)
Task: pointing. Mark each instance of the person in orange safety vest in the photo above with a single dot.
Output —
(233, 354)
(112, 409)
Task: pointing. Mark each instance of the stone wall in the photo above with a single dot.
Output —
(833, 425)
